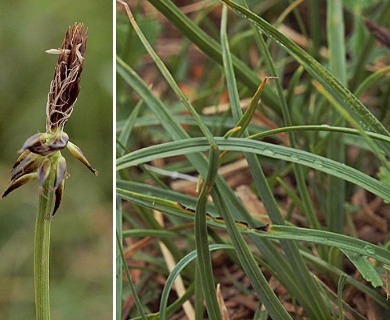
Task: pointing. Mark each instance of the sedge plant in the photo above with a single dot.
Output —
(310, 143)
(41, 159)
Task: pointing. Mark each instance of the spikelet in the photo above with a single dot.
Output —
(41, 153)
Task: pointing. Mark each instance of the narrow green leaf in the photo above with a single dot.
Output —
(201, 239)
(335, 197)
(323, 265)
(118, 262)
(275, 231)
(365, 268)
(340, 288)
(168, 76)
(176, 272)
(327, 238)
(149, 233)
(350, 102)
(248, 262)
(306, 293)
(196, 145)
(132, 288)
(128, 126)
(372, 80)
(210, 47)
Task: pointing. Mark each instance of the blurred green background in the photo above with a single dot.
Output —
(81, 248)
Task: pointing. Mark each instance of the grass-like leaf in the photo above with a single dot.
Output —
(327, 238)
(297, 175)
(349, 101)
(197, 145)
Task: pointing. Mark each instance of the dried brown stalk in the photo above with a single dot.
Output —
(380, 33)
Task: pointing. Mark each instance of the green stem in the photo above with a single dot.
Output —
(42, 250)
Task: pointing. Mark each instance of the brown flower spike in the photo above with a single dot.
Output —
(41, 153)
